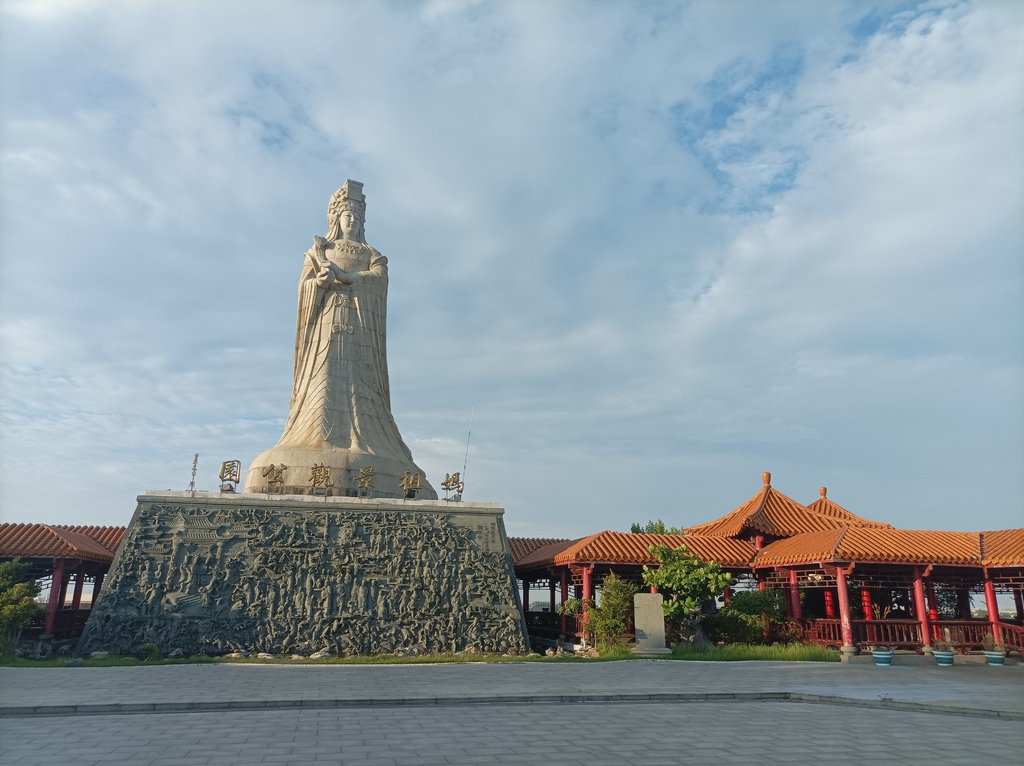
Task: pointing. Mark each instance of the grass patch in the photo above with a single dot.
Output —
(727, 653)
(750, 652)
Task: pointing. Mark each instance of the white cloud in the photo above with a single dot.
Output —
(660, 247)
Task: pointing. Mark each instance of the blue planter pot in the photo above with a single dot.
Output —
(944, 659)
(995, 658)
(883, 657)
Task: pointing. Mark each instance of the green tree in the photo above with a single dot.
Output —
(17, 602)
(655, 528)
(684, 580)
(608, 620)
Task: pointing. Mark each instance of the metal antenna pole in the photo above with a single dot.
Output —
(195, 465)
(472, 412)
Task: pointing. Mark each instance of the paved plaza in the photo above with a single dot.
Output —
(633, 712)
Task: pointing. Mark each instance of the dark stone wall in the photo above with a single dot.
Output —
(202, 575)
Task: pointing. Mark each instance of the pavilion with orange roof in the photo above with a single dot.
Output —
(59, 555)
(818, 555)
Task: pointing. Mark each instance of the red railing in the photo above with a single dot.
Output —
(66, 623)
(822, 632)
(549, 625)
(1013, 637)
(964, 635)
(903, 634)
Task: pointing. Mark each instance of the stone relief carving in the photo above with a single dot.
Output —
(279, 580)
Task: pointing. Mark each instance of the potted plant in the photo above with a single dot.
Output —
(994, 653)
(882, 655)
(943, 653)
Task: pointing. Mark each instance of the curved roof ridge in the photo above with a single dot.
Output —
(839, 541)
(769, 512)
(825, 506)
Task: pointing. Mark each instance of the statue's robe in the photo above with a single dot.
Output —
(340, 411)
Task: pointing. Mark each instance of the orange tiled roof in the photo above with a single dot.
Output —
(523, 546)
(769, 512)
(89, 543)
(1004, 547)
(545, 555)
(826, 507)
(630, 548)
(874, 545)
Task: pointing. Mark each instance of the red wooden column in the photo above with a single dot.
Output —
(56, 595)
(726, 594)
(794, 595)
(551, 582)
(526, 596)
(1018, 601)
(920, 609)
(565, 597)
(96, 586)
(869, 612)
(76, 600)
(992, 607)
(846, 626)
(65, 582)
(588, 591)
(933, 604)
(830, 604)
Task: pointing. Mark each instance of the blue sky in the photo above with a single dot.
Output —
(659, 247)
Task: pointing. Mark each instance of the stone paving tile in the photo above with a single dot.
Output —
(594, 734)
(222, 683)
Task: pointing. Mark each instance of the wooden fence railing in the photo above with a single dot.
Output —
(965, 635)
(1013, 637)
(821, 632)
(900, 634)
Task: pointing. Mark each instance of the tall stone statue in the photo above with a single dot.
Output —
(341, 438)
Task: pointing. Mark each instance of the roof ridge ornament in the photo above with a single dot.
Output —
(766, 477)
(823, 491)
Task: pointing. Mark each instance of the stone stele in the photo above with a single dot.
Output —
(649, 621)
(338, 542)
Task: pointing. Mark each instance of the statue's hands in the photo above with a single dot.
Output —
(330, 273)
(340, 274)
(324, 277)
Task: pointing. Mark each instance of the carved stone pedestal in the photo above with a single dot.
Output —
(213, 573)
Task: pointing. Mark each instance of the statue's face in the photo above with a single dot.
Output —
(349, 223)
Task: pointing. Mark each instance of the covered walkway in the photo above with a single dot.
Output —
(848, 581)
(63, 559)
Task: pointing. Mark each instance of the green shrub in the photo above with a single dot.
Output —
(608, 620)
(150, 652)
(753, 617)
(17, 602)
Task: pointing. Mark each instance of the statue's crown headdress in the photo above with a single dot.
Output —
(348, 197)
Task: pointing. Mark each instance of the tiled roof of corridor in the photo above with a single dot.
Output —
(89, 543)
(771, 513)
(1004, 547)
(874, 545)
(523, 546)
(630, 548)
